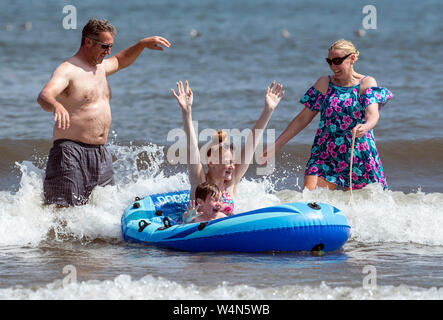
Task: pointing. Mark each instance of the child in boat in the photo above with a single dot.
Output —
(206, 206)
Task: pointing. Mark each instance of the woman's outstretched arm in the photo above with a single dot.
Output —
(272, 98)
(300, 122)
(295, 126)
(196, 172)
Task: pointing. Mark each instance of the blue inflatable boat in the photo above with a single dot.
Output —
(301, 226)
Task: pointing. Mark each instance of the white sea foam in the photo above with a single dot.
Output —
(374, 216)
(152, 288)
(384, 216)
(22, 218)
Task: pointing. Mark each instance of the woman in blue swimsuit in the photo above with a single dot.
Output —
(348, 103)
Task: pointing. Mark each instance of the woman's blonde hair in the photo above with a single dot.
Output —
(345, 46)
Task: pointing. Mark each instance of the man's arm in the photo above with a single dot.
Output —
(126, 57)
(47, 98)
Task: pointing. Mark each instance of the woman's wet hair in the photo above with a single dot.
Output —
(219, 141)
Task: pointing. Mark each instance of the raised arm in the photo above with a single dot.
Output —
(272, 98)
(300, 122)
(127, 56)
(47, 97)
(196, 170)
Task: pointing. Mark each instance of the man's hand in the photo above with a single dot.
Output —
(127, 56)
(154, 43)
(61, 117)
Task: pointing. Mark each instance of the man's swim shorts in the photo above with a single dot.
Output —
(73, 170)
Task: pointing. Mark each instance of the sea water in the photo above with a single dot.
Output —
(395, 235)
(395, 248)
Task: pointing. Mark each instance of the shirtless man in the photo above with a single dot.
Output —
(79, 96)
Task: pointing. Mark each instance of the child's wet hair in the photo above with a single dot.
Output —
(206, 188)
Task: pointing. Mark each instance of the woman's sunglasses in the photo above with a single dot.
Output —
(103, 45)
(337, 61)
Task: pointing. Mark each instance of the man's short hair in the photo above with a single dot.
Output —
(94, 27)
(206, 188)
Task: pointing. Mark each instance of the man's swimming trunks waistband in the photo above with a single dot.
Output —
(57, 142)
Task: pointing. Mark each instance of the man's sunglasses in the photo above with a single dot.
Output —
(103, 45)
(337, 61)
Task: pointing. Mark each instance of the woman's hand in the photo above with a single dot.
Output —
(273, 95)
(359, 130)
(184, 97)
(372, 115)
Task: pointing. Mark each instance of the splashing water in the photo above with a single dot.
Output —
(375, 216)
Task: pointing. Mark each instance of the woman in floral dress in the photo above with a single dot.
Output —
(348, 102)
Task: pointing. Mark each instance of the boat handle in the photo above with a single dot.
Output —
(167, 222)
(142, 225)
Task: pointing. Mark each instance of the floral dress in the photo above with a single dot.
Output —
(341, 109)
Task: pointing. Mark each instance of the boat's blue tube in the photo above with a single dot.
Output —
(300, 226)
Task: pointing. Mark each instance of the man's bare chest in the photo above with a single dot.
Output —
(86, 88)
